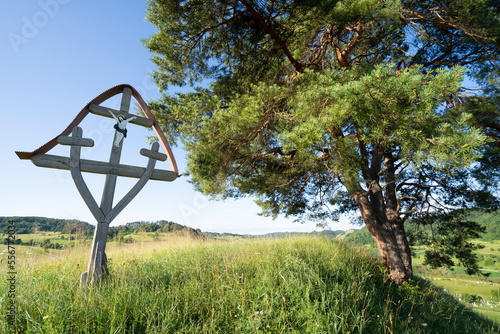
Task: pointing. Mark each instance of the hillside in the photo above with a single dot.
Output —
(325, 233)
(28, 225)
(490, 220)
(32, 225)
(160, 226)
(301, 284)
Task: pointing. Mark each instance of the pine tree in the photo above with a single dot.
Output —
(318, 108)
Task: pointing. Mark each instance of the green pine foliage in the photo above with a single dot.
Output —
(321, 108)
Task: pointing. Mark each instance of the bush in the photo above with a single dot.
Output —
(489, 261)
(467, 298)
(496, 294)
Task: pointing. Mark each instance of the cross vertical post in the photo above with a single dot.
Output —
(98, 258)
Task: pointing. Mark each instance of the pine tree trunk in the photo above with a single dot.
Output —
(390, 238)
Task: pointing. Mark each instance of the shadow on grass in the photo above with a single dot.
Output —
(437, 311)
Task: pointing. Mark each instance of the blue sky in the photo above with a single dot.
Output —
(57, 55)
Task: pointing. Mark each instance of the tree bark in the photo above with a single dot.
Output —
(403, 246)
(390, 238)
(379, 209)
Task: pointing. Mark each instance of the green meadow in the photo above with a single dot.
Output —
(480, 293)
(300, 284)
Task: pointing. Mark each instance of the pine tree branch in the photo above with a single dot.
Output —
(200, 35)
(441, 20)
(205, 30)
(296, 65)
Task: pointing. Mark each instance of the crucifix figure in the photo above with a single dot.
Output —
(120, 126)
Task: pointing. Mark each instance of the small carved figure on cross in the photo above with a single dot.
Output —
(120, 126)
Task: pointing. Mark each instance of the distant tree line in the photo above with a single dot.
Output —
(32, 225)
(45, 244)
(28, 225)
(161, 226)
(361, 237)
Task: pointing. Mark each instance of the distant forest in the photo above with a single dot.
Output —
(162, 226)
(29, 225)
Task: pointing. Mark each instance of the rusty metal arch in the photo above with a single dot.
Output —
(98, 100)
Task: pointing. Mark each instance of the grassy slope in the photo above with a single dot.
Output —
(181, 285)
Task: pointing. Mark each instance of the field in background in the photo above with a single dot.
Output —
(479, 293)
(194, 285)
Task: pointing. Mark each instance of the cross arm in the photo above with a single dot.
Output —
(92, 166)
(107, 112)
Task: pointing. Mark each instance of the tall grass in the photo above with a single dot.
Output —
(294, 285)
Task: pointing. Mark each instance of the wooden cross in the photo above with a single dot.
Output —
(105, 212)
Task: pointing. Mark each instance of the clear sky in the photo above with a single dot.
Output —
(57, 55)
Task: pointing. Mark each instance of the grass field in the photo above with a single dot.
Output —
(184, 285)
(460, 287)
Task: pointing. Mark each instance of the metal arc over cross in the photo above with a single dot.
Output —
(106, 212)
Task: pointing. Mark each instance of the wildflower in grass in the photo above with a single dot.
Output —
(45, 317)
